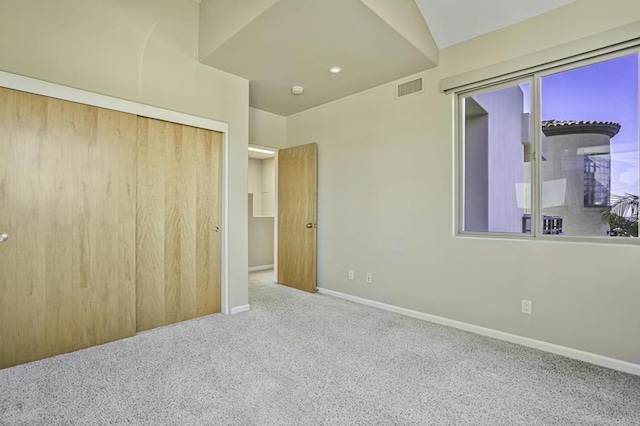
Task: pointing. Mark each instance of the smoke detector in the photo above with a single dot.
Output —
(297, 90)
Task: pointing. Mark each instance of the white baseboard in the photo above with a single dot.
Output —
(600, 360)
(260, 268)
(238, 309)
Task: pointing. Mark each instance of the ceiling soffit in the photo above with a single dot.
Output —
(285, 43)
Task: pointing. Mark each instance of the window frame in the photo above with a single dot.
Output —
(534, 78)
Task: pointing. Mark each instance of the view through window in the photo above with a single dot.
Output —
(587, 154)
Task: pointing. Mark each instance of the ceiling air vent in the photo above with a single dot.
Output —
(410, 87)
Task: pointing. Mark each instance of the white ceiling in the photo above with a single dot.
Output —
(277, 44)
(454, 21)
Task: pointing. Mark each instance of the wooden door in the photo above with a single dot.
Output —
(178, 220)
(67, 203)
(297, 201)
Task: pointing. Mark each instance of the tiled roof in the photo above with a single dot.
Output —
(567, 127)
(555, 123)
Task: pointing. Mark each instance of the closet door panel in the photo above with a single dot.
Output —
(178, 248)
(115, 215)
(208, 220)
(68, 197)
(150, 298)
(67, 235)
(180, 224)
(22, 305)
(88, 180)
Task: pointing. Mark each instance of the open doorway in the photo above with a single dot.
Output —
(282, 211)
(261, 188)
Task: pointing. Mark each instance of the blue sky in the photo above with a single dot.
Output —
(607, 91)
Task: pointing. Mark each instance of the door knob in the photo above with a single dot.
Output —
(216, 229)
(3, 238)
(309, 225)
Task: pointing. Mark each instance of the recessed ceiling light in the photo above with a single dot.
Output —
(297, 90)
(335, 70)
(262, 151)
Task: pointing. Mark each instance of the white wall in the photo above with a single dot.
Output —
(144, 51)
(261, 195)
(267, 129)
(254, 184)
(221, 19)
(261, 183)
(268, 186)
(386, 185)
(261, 236)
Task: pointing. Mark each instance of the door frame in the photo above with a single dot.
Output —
(52, 90)
(275, 205)
(275, 218)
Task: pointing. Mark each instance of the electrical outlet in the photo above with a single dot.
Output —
(526, 307)
(369, 277)
(351, 275)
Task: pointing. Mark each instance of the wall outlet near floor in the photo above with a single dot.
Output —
(351, 275)
(369, 277)
(526, 307)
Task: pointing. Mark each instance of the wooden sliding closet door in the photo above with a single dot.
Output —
(178, 219)
(67, 204)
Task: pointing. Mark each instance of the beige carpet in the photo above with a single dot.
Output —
(308, 359)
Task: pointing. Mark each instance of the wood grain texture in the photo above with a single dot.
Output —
(297, 206)
(178, 194)
(67, 175)
(180, 223)
(22, 289)
(111, 220)
(115, 212)
(65, 152)
(150, 224)
(209, 218)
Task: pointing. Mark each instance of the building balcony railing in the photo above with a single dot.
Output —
(551, 225)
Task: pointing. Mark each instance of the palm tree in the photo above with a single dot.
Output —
(624, 205)
(622, 215)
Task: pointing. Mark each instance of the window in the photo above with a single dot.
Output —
(570, 169)
(597, 180)
(497, 171)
